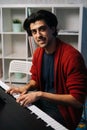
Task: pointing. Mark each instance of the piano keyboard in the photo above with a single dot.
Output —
(39, 113)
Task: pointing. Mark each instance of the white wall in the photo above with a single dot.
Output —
(84, 2)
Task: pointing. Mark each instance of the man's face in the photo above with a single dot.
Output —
(41, 33)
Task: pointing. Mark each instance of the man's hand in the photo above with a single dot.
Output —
(26, 99)
(16, 90)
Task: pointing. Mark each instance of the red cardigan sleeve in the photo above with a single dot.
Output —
(36, 66)
(76, 72)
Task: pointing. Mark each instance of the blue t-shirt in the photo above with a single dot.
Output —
(48, 72)
(48, 82)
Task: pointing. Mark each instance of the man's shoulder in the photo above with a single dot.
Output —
(38, 52)
(68, 52)
(67, 48)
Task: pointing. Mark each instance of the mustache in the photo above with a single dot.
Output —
(41, 38)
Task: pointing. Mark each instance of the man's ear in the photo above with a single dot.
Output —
(53, 29)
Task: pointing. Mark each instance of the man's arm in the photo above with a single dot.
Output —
(62, 99)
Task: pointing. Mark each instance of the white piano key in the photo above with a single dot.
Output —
(50, 121)
(40, 114)
(3, 85)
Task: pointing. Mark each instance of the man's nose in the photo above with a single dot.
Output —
(38, 33)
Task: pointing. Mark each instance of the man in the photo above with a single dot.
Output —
(58, 73)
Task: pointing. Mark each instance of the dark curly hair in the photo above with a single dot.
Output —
(45, 15)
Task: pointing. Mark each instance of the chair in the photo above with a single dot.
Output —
(20, 67)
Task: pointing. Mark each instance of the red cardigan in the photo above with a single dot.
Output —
(70, 77)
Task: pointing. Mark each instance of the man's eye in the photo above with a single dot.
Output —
(43, 28)
(33, 31)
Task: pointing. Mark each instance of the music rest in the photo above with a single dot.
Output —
(15, 117)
